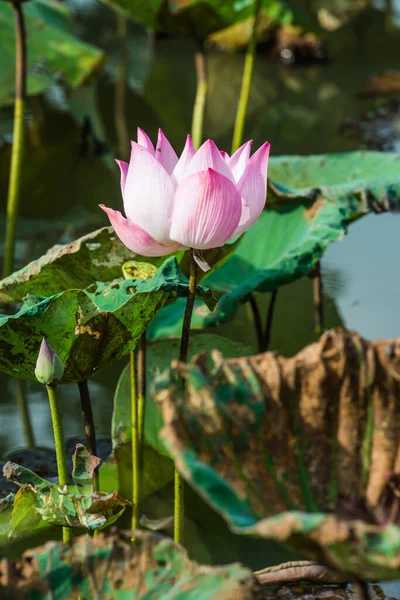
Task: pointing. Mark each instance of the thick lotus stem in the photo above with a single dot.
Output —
(23, 409)
(142, 392)
(18, 139)
(183, 354)
(121, 84)
(257, 322)
(246, 82)
(60, 447)
(318, 300)
(201, 97)
(88, 424)
(15, 185)
(135, 443)
(269, 321)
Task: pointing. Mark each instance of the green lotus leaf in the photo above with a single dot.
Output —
(88, 329)
(53, 51)
(84, 465)
(99, 256)
(311, 201)
(152, 567)
(158, 358)
(116, 471)
(78, 505)
(202, 17)
(6, 509)
(360, 181)
(302, 450)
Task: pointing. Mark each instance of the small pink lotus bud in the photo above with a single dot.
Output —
(49, 368)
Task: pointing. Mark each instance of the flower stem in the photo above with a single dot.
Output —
(22, 404)
(15, 185)
(318, 299)
(18, 139)
(268, 324)
(121, 89)
(141, 385)
(183, 354)
(88, 424)
(60, 447)
(246, 82)
(135, 443)
(257, 322)
(201, 96)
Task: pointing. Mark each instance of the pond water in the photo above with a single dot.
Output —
(298, 109)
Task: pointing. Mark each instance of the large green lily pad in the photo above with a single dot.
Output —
(53, 51)
(311, 201)
(361, 181)
(113, 567)
(303, 450)
(87, 329)
(96, 257)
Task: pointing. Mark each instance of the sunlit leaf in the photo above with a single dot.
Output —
(99, 256)
(302, 450)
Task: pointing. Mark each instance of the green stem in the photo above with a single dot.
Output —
(22, 404)
(201, 96)
(18, 140)
(318, 300)
(183, 354)
(257, 322)
(60, 447)
(88, 424)
(120, 90)
(246, 82)
(15, 185)
(141, 385)
(269, 321)
(135, 443)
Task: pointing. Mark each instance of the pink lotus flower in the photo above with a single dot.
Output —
(198, 201)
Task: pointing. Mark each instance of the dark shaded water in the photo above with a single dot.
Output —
(299, 110)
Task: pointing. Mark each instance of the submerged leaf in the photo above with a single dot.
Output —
(113, 567)
(299, 449)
